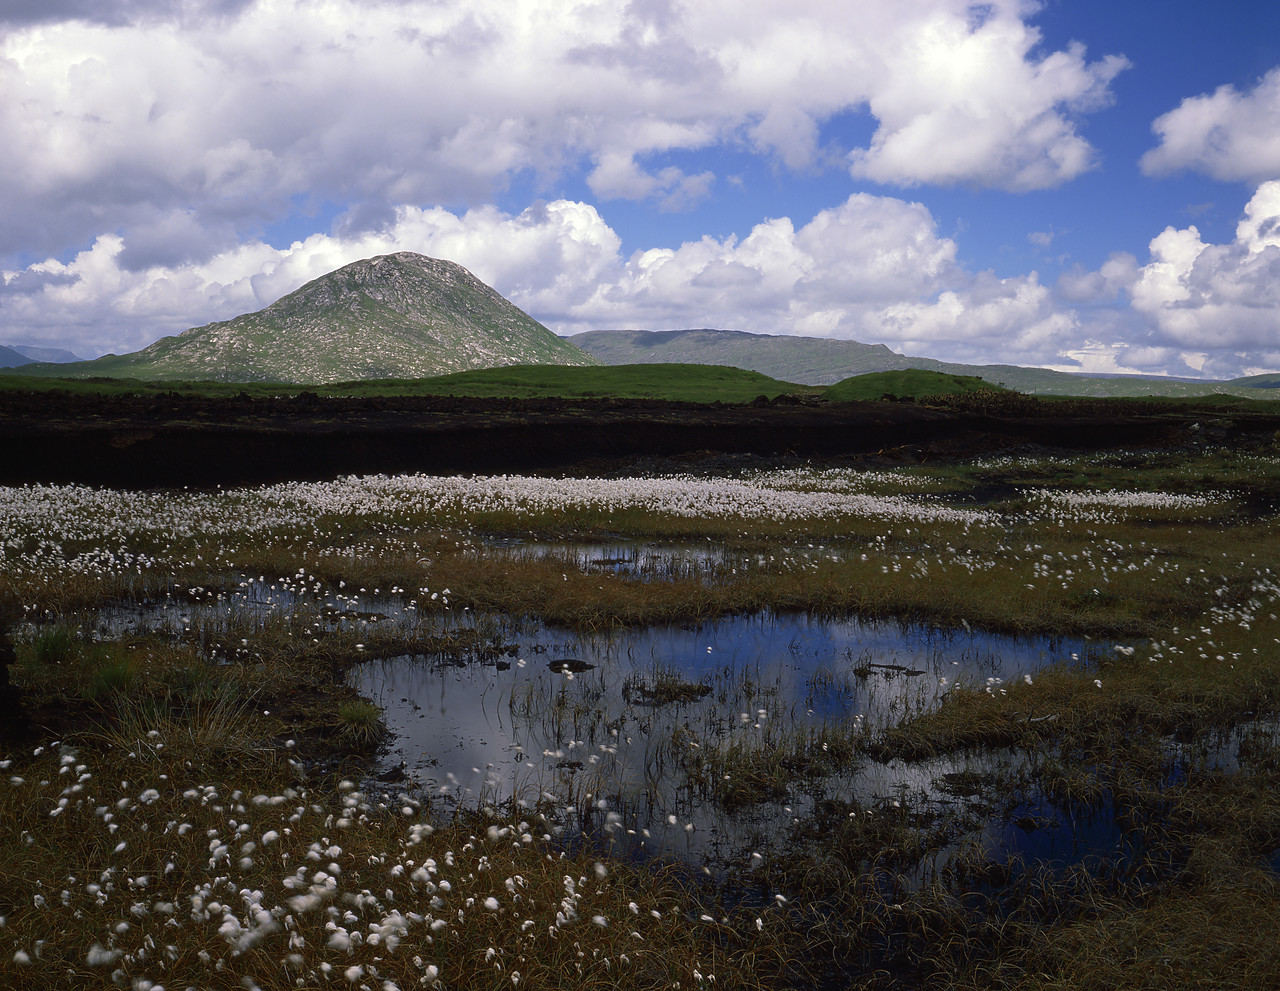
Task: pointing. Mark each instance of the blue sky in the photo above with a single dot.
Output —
(1076, 184)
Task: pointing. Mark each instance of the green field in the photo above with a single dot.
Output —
(677, 383)
(672, 382)
(906, 383)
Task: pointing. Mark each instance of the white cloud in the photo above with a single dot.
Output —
(180, 124)
(959, 105)
(873, 268)
(545, 258)
(1116, 275)
(829, 277)
(1013, 321)
(1226, 134)
(1217, 297)
(1195, 308)
(618, 177)
(117, 12)
(1095, 357)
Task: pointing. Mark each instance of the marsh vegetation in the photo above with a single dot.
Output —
(1003, 723)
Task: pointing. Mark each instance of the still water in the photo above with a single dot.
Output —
(635, 736)
(627, 726)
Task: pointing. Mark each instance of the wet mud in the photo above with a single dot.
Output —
(178, 439)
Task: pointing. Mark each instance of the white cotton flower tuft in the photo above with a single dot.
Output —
(100, 956)
(305, 903)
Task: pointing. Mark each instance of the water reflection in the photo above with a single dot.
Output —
(647, 729)
(641, 559)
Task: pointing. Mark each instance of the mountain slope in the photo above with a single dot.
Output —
(36, 353)
(811, 360)
(11, 357)
(393, 316)
(824, 361)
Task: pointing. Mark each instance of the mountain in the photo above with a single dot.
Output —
(394, 316)
(807, 360)
(1270, 380)
(824, 361)
(12, 357)
(33, 353)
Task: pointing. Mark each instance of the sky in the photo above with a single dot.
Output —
(1087, 185)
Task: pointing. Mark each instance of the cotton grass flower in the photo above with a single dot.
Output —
(100, 956)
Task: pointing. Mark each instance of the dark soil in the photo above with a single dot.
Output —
(181, 439)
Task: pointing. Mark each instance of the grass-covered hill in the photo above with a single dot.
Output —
(670, 382)
(825, 361)
(662, 382)
(393, 316)
(811, 360)
(675, 382)
(910, 383)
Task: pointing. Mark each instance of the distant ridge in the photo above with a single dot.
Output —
(12, 357)
(34, 353)
(825, 361)
(402, 315)
(807, 360)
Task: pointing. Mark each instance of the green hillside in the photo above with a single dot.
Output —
(673, 382)
(824, 361)
(393, 316)
(679, 383)
(811, 360)
(911, 383)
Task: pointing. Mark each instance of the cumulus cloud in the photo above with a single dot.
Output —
(1011, 320)
(829, 277)
(1115, 276)
(1226, 134)
(965, 105)
(1194, 308)
(117, 12)
(1216, 297)
(873, 268)
(169, 123)
(618, 176)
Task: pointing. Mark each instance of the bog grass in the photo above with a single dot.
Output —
(215, 763)
(669, 381)
(672, 382)
(912, 383)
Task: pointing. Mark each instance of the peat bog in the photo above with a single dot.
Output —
(1004, 718)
